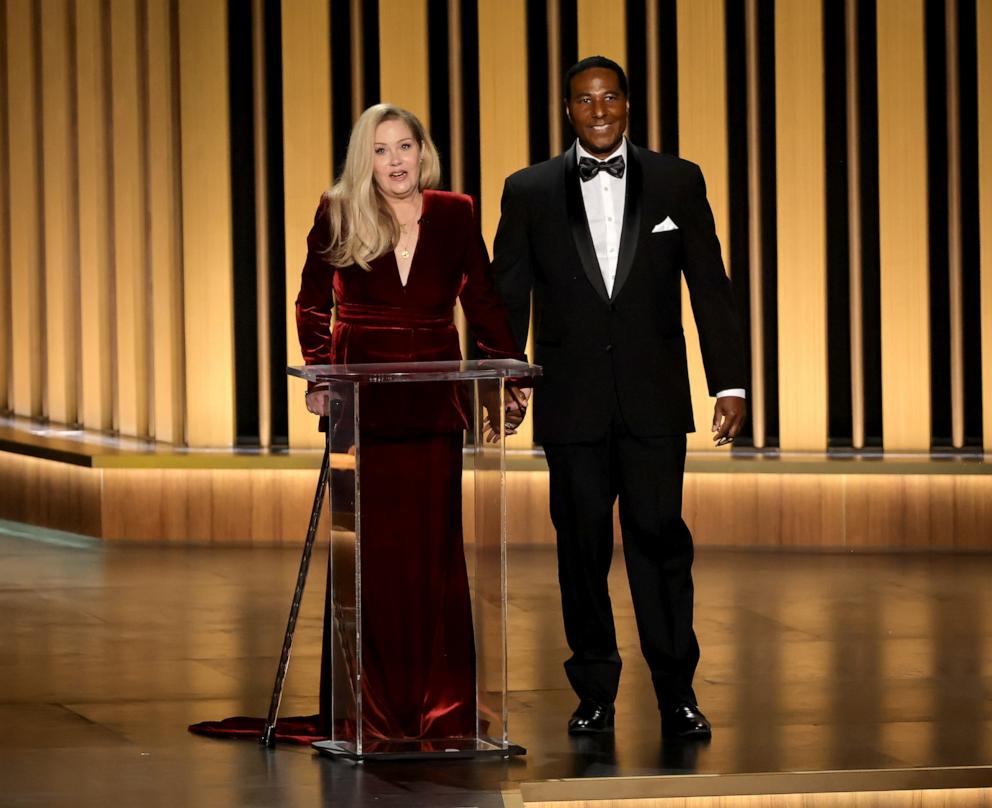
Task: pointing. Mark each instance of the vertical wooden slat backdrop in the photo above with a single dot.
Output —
(206, 222)
(307, 167)
(116, 258)
(855, 233)
(755, 227)
(984, 36)
(59, 189)
(903, 225)
(703, 139)
(602, 29)
(164, 237)
(95, 250)
(25, 216)
(129, 195)
(403, 55)
(801, 206)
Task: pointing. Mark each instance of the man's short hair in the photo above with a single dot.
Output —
(587, 64)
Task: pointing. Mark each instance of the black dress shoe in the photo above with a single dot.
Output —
(685, 721)
(590, 717)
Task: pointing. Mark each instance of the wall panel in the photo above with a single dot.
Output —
(984, 37)
(60, 203)
(903, 225)
(307, 168)
(94, 220)
(403, 73)
(5, 313)
(703, 139)
(164, 236)
(129, 200)
(504, 145)
(603, 29)
(801, 207)
(23, 139)
(206, 222)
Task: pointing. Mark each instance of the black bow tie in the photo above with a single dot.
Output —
(589, 168)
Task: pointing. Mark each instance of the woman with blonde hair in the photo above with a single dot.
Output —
(393, 254)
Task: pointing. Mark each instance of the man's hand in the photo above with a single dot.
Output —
(515, 400)
(514, 410)
(728, 418)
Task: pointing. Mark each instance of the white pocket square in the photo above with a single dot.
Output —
(665, 226)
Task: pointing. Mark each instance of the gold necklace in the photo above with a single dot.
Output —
(405, 251)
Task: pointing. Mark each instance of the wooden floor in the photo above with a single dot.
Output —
(810, 662)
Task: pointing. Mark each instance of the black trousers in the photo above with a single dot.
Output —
(645, 474)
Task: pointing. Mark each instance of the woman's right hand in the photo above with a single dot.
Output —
(319, 401)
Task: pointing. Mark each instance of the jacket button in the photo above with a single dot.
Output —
(609, 348)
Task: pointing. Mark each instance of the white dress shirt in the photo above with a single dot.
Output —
(604, 197)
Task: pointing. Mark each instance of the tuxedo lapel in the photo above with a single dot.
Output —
(580, 224)
(632, 206)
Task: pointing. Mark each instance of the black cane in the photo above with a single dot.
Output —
(269, 732)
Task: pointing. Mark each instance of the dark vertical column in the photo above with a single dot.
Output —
(871, 312)
(370, 52)
(277, 226)
(737, 175)
(438, 84)
(668, 52)
(769, 219)
(242, 135)
(839, 413)
(538, 82)
(637, 68)
(940, 323)
(470, 101)
(970, 246)
(341, 78)
(569, 38)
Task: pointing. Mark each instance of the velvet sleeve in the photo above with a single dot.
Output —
(487, 316)
(316, 297)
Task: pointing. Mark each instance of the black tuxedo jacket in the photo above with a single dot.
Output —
(598, 349)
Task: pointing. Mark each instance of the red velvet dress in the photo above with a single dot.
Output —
(417, 638)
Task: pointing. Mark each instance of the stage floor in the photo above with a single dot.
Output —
(810, 661)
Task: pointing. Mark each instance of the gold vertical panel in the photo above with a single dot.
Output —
(95, 250)
(801, 206)
(754, 227)
(903, 226)
(503, 141)
(27, 357)
(856, 270)
(306, 110)
(403, 73)
(653, 85)
(163, 234)
(5, 312)
(61, 253)
(702, 97)
(602, 29)
(130, 256)
(984, 36)
(206, 222)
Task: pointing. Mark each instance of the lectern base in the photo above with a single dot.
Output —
(444, 748)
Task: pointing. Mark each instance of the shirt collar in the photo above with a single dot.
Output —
(621, 150)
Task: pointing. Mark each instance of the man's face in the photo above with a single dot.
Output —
(597, 110)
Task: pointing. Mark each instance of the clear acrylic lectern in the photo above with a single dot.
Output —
(400, 403)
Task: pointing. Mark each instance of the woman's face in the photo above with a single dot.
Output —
(396, 160)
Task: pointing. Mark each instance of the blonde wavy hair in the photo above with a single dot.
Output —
(362, 224)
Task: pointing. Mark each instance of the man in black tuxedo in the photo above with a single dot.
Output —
(602, 234)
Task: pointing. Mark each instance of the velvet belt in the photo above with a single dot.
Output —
(393, 316)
